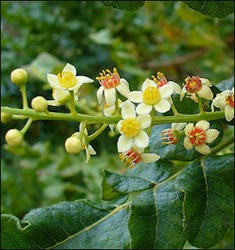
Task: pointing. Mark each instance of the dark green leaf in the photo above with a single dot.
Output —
(212, 8)
(124, 5)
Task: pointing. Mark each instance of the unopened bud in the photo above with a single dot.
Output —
(73, 145)
(39, 104)
(14, 137)
(19, 76)
(5, 117)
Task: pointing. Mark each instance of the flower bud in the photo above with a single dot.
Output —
(19, 76)
(14, 137)
(5, 117)
(73, 145)
(39, 104)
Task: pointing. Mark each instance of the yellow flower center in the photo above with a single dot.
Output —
(130, 127)
(151, 95)
(67, 79)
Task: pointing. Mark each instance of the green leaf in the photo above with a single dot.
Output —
(218, 9)
(226, 84)
(195, 204)
(124, 5)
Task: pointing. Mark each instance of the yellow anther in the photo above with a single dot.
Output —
(130, 127)
(151, 95)
(67, 79)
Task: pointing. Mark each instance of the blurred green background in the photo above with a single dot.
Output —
(43, 35)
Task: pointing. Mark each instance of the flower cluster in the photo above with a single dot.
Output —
(128, 113)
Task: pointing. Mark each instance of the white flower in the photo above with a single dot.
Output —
(173, 134)
(195, 85)
(110, 82)
(152, 97)
(135, 155)
(131, 128)
(61, 96)
(225, 101)
(67, 79)
(199, 136)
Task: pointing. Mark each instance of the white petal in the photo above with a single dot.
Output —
(205, 92)
(141, 140)
(229, 113)
(100, 94)
(150, 157)
(203, 149)
(110, 96)
(128, 111)
(211, 135)
(148, 83)
(177, 88)
(53, 80)
(83, 79)
(203, 125)
(119, 125)
(166, 90)
(136, 96)
(178, 126)
(124, 143)
(123, 87)
(91, 150)
(139, 150)
(182, 93)
(109, 111)
(145, 121)
(61, 95)
(70, 68)
(206, 82)
(163, 106)
(187, 144)
(188, 129)
(143, 108)
(219, 101)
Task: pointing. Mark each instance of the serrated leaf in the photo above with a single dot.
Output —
(124, 5)
(218, 9)
(195, 204)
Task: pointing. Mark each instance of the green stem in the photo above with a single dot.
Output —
(221, 146)
(200, 104)
(24, 96)
(97, 132)
(72, 103)
(26, 126)
(208, 116)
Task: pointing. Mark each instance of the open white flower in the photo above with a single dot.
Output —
(197, 86)
(173, 134)
(110, 82)
(225, 102)
(151, 97)
(136, 155)
(199, 135)
(131, 128)
(161, 80)
(67, 79)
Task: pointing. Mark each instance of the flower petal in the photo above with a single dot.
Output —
(83, 79)
(123, 87)
(145, 121)
(176, 86)
(182, 93)
(166, 90)
(148, 83)
(150, 157)
(203, 149)
(128, 111)
(187, 144)
(188, 129)
(119, 125)
(163, 106)
(205, 92)
(211, 135)
(91, 150)
(203, 125)
(124, 143)
(143, 108)
(100, 94)
(229, 113)
(136, 96)
(206, 82)
(141, 140)
(70, 68)
(53, 80)
(109, 111)
(178, 126)
(110, 96)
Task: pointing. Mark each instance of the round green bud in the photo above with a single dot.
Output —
(39, 104)
(5, 117)
(14, 137)
(73, 145)
(19, 76)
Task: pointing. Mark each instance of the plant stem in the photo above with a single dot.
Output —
(26, 126)
(97, 132)
(72, 103)
(200, 105)
(208, 116)
(221, 146)
(24, 96)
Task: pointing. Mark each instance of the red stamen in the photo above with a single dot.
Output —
(108, 79)
(197, 136)
(193, 84)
